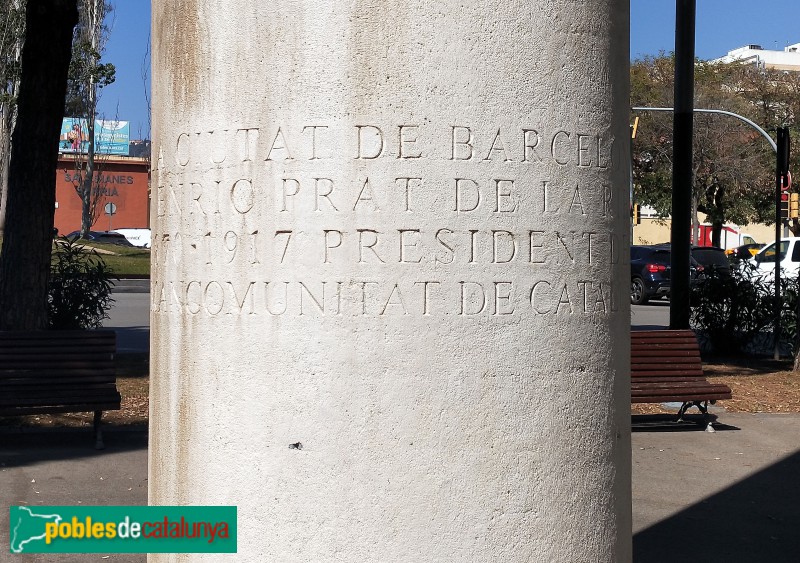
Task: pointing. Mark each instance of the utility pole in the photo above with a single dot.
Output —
(781, 181)
(683, 130)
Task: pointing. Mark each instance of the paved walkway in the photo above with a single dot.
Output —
(732, 496)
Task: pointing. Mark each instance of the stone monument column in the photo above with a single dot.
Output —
(390, 294)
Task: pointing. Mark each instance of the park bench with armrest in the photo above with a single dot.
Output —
(666, 367)
(58, 371)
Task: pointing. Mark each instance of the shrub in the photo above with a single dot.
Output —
(732, 309)
(79, 289)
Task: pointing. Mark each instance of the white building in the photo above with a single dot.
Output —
(788, 59)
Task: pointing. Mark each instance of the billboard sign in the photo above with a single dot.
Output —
(110, 137)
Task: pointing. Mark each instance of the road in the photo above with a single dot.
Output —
(653, 315)
(130, 317)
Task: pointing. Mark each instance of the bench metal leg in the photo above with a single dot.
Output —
(98, 432)
(702, 406)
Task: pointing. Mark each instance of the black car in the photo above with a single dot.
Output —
(650, 272)
(744, 252)
(711, 258)
(103, 237)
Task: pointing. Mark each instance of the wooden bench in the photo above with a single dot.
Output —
(55, 371)
(666, 367)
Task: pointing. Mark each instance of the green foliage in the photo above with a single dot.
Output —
(733, 165)
(12, 27)
(733, 309)
(79, 289)
(87, 74)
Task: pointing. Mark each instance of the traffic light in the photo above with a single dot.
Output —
(784, 201)
(636, 214)
(782, 169)
(794, 205)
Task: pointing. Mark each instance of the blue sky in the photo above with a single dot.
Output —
(722, 25)
(127, 48)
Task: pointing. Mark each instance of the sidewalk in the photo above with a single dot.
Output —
(732, 496)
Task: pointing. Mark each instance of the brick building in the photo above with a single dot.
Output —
(121, 180)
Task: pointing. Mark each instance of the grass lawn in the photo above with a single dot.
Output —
(123, 260)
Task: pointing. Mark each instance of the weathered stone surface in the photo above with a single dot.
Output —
(389, 297)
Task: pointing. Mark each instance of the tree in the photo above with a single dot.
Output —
(27, 244)
(88, 75)
(775, 95)
(12, 24)
(733, 167)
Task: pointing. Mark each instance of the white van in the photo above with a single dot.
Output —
(137, 237)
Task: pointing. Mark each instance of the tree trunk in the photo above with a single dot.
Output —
(716, 233)
(25, 260)
(4, 161)
(87, 192)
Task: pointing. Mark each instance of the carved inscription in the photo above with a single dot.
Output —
(469, 221)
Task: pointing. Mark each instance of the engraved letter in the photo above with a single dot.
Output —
(192, 305)
(319, 194)
(314, 139)
(214, 299)
(366, 194)
(287, 194)
(408, 136)
(536, 242)
(426, 295)
(413, 245)
(447, 258)
(461, 148)
(502, 298)
(182, 150)
(362, 245)
(285, 299)
(243, 196)
(399, 302)
(577, 201)
(583, 151)
(461, 185)
(371, 146)
(281, 145)
(498, 145)
(476, 296)
(240, 302)
(328, 241)
(554, 151)
(408, 190)
(498, 257)
(247, 144)
(530, 140)
(504, 202)
(534, 296)
(320, 304)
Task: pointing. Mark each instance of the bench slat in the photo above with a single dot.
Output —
(7, 372)
(52, 409)
(87, 398)
(685, 333)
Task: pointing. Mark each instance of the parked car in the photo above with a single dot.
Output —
(137, 237)
(651, 271)
(788, 254)
(103, 237)
(744, 252)
(711, 258)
